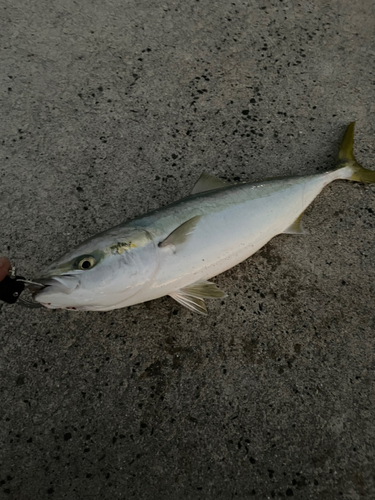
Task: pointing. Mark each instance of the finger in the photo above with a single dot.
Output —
(5, 267)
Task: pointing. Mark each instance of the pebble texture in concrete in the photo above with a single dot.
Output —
(110, 109)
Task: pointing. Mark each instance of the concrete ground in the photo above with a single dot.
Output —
(110, 109)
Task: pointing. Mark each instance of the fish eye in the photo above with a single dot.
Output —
(86, 263)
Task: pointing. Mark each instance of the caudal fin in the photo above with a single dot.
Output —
(346, 158)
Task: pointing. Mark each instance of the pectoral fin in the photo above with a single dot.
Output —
(296, 227)
(181, 234)
(207, 183)
(192, 296)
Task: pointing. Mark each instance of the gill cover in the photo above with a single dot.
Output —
(102, 272)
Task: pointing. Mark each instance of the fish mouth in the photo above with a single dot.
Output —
(54, 284)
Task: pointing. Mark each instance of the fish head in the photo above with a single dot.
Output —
(102, 273)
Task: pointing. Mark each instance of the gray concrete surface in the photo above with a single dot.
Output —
(109, 109)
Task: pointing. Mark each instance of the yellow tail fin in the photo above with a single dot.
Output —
(346, 158)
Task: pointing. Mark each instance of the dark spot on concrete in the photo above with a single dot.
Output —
(250, 348)
(297, 348)
(272, 258)
(153, 370)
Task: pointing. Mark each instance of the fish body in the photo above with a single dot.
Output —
(234, 223)
(176, 249)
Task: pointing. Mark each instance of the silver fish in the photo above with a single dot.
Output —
(177, 249)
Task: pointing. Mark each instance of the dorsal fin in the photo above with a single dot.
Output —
(207, 183)
(180, 234)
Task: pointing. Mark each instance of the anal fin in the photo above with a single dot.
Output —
(296, 227)
(192, 296)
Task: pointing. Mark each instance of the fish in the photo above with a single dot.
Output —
(177, 249)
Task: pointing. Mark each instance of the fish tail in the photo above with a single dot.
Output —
(347, 163)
